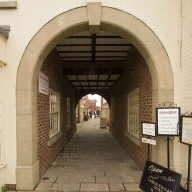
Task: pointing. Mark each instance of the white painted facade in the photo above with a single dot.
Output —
(81, 112)
(169, 20)
(105, 110)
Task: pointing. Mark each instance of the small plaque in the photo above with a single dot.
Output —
(148, 129)
(149, 141)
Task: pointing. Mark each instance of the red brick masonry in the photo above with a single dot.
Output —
(52, 67)
(137, 75)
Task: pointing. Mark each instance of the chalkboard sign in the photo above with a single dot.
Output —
(157, 178)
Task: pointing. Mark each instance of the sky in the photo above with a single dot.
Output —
(97, 97)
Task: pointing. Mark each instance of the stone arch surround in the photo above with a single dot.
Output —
(60, 27)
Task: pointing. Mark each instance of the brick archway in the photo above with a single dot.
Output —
(60, 27)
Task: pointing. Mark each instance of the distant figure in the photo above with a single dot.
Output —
(90, 114)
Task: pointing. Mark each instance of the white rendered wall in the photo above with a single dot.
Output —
(163, 17)
(2, 166)
(186, 75)
(82, 109)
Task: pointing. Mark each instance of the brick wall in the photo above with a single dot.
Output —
(136, 75)
(52, 67)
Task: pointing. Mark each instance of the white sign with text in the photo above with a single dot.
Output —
(186, 133)
(43, 84)
(167, 121)
(149, 129)
(149, 141)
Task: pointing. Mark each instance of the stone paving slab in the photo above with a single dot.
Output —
(49, 178)
(116, 187)
(92, 161)
(132, 187)
(65, 187)
(94, 187)
(44, 187)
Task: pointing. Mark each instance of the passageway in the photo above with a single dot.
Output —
(92, 161)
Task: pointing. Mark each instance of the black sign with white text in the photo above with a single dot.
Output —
(157, 178)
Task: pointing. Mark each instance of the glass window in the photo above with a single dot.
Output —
(68, 112)
(77, 111)
(54, 112)
(1, 129)
(133, 112)
(112, 109)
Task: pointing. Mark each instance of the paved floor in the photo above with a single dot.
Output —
(92, 161)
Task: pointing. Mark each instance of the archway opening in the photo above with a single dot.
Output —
(50, 36)
(93, 106)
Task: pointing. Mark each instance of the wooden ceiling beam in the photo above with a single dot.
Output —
(79, 81)
(107, 81)
(97, 81)
(109, 62)
(90, 45)
(93, 71)
(92, 86)
(93, 57)
(95, 51)
(89, 37)
(88, 81)
(93, 47)
(93, 80)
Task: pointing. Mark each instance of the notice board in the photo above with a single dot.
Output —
(157, 178)
(186, 129)
(167, 121)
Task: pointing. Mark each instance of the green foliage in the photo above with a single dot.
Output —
(4, 188)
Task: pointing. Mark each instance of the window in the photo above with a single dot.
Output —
(1, 127)
(133, 112)
(54, 112)
(112, 109)
(77, 111)
(68, 112)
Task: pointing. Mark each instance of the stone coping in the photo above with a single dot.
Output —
(54, 138)
(133, 139)
(8, 5)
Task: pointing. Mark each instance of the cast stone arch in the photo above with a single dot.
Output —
(60, 27)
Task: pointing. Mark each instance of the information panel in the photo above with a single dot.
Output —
(157, 178)
(148, 129)
(186, 129)
(167, 121)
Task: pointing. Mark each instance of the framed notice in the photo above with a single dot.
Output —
(43, 84)
(157, 178)
(186, 129)
(148, 129)
(167, 121)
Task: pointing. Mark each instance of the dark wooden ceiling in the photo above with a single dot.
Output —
(93, 48)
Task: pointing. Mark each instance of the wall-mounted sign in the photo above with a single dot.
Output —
(43, 84)
(157, 178)
(167, 121)
(148, 129)
(186, 129)
(149, 141)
